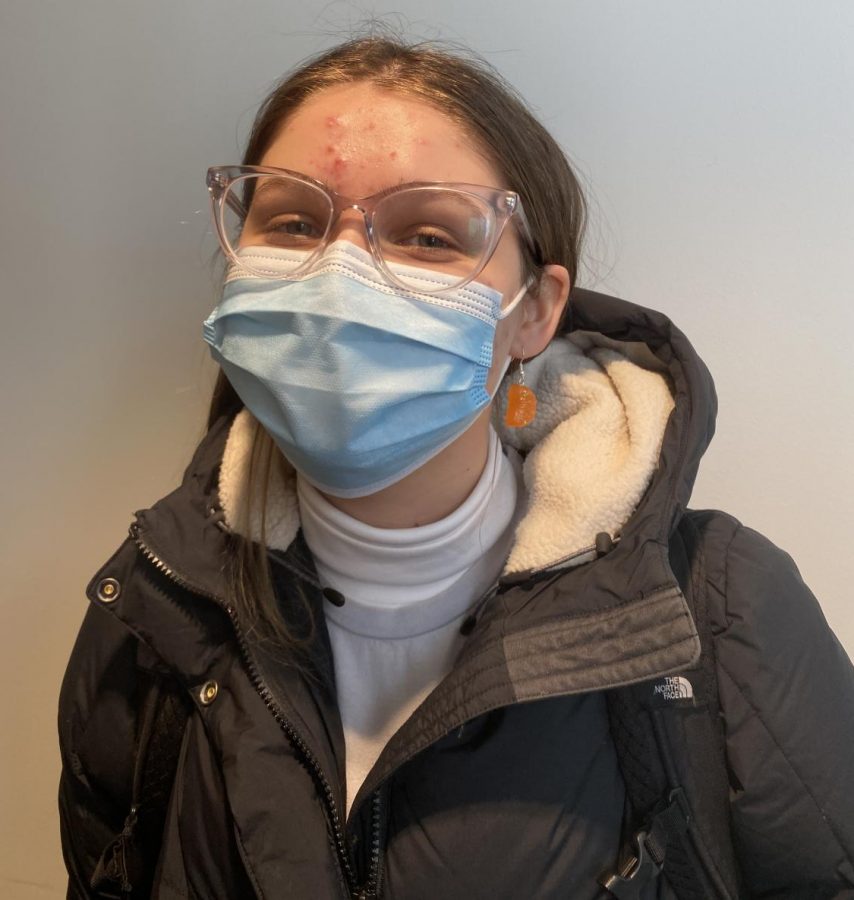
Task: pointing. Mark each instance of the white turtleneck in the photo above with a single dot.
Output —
(406, 593)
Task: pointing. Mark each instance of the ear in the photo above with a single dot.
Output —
(543, 307)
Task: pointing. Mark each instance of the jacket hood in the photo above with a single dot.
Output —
(641, 333)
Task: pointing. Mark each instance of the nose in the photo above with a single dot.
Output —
(351, 224)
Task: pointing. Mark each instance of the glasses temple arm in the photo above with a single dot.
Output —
(235, 204)
(524, 227)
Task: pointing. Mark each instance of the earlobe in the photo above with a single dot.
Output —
(543, 310)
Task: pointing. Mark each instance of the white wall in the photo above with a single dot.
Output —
(718, 139)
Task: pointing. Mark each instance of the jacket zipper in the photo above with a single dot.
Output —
(373, 883)
(269, 701)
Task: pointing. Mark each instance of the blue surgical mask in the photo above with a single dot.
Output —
(359, 383)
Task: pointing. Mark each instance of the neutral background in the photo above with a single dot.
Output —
(718, 139)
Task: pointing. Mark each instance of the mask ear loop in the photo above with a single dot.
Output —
(516, 300)
(521, 401)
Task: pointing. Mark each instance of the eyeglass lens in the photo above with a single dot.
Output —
(426, 227)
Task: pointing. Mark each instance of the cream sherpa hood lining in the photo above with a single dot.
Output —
(589, 454)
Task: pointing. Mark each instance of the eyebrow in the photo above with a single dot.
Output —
(269, 184)
(401, 182)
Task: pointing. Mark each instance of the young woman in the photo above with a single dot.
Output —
(378, 642)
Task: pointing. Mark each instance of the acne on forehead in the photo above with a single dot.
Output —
(361, 140)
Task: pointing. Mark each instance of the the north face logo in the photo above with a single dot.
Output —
(674, 688)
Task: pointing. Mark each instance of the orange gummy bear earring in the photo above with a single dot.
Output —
(521, 402)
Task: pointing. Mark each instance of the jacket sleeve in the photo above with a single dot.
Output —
(97, 736)
(787, 696)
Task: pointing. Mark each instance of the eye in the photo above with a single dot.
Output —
(427, 238)
(299, 227)
(292, 229)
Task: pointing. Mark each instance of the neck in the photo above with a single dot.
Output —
(430, 493)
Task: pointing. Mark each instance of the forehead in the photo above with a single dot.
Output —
(360, 139)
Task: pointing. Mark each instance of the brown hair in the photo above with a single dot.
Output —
(474, 96)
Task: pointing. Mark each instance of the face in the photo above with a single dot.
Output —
(359, 139)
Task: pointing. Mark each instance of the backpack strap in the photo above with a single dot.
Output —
(670, 744)
(126, 867)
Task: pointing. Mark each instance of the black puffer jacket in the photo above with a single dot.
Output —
(503, 783)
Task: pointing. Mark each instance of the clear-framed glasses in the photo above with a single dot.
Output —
(276, 223)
